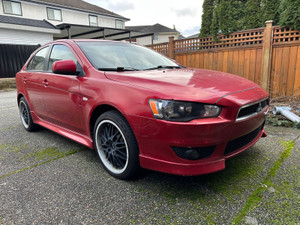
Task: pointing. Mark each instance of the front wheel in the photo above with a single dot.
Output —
(116, 145)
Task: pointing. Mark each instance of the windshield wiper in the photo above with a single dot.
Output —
(118, 69)
(164, 67)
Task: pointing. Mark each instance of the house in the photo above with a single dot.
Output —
(26, 18)
(193, 36)
(160, 34)
(26, 24)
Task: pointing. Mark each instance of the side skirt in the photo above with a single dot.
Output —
(80, 138)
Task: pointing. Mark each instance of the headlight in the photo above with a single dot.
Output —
(182, 111)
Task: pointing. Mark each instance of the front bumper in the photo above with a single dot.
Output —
(156, 139)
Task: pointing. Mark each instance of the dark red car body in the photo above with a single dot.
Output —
(70, 105)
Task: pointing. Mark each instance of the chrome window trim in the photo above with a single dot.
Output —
(253, 114)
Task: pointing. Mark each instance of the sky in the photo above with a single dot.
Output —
(184, 14)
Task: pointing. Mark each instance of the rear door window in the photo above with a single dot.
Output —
(37, 63)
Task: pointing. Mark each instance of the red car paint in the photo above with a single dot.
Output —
(65, 104)
(66, 66)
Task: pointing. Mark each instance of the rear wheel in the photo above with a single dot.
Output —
(25, 115)
(116, 145)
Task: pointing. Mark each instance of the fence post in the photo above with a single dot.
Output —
(171, 49)
(267, 55)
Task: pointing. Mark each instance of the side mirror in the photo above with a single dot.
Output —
(67, 67)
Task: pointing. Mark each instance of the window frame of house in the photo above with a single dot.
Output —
(50, 8)
(16, 2)
(155, 37)
(96, 20)
(121, 22)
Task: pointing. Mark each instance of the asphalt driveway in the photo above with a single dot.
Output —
(48, 179)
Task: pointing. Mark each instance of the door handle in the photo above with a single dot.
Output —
(45, 82)
(24, 80)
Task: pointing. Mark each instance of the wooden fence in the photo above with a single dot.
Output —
(269, 56)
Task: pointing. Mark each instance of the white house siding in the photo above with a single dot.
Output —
(144, 40)
(17, 37)
(106, 22)
(39, 12)
(162, 38)
(33, 11)
(165, 38)
(72, 17)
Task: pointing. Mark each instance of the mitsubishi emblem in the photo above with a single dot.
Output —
(259, 108)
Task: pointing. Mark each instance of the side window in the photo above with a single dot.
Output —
(38, 61)
(60, 52)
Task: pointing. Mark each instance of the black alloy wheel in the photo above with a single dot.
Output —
(116, 145)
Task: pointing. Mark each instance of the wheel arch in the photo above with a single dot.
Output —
(20, 95)
(100, 109)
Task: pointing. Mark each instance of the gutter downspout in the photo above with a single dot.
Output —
(286, 112)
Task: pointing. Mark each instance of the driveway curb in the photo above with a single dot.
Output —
(7, 83)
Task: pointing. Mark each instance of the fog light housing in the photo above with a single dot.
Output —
(194, 153)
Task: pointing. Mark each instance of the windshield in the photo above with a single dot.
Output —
(119, 56)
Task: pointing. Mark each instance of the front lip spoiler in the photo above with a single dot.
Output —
(182, 169)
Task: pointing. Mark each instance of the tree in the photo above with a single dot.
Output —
(227, 16)
(252, 15)
(230, 15)
(207, 17)
(215, 26)
(270, 9)
(290, 14)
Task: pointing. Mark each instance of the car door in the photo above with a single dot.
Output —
(62, 94)
(34, 85)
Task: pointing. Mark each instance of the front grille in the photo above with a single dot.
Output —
(240, 142)
(252, 109)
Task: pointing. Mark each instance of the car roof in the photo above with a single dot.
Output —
(85, 40)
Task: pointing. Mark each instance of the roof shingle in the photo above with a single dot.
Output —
(156, 28)
(26, 22)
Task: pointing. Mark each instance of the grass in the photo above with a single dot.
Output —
(38, 164)
(279, 121)
(45, 153)
(257, 195)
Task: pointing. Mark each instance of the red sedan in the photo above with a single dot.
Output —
(138, 108)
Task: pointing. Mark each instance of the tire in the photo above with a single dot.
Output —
(116, 145)
(25, 115)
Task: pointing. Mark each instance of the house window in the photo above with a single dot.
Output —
(119, 24)
(11, 7)
(155, 37)
(54, 14)
(93, 20)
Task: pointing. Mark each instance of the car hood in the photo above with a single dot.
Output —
(186, 84)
